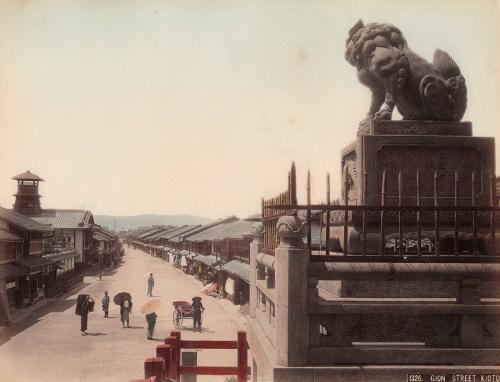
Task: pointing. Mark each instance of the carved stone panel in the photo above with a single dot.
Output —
(381, 127)
(433, 331)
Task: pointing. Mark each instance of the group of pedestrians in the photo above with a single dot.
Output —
(125, 309)
(85, 305)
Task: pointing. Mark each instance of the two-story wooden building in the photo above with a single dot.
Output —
(107, 246)
(73, 228)
(23, 270)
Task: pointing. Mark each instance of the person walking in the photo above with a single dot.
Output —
(125, 310)
(105, 304)
(151, 320)
(197, 308)
(151, 284)
(86, 305)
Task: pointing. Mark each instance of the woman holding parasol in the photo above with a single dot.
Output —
(149, 309)
(124, 299)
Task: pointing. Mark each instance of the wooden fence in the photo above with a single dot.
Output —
(271, 212)
(167, 363)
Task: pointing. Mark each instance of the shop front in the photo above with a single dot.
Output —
(32, 286)
(236, 286)
(10, 274)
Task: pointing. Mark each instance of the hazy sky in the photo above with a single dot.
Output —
(129, 107)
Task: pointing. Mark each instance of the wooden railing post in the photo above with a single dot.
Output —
(242, 356)
(153, 367)
(177, 354)
(172, 342)
(164, 351)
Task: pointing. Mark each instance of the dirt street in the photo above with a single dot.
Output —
(48, 346)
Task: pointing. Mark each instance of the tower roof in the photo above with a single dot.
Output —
(27, 176)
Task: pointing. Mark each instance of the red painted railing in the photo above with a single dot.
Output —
(167, 363)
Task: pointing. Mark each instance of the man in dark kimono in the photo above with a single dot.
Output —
(151, 320)
(197, 307)
(85, 308)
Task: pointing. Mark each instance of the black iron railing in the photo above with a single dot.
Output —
(434, 228)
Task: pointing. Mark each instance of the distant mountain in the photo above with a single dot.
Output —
(130, 222)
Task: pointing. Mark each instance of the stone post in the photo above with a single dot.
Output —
(292, 259)
(257, 232)
(189, 358)
(471, 328)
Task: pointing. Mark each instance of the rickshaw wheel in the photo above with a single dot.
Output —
(177, 319)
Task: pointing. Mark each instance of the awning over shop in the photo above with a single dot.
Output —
(239, 269)
(60, 256)
(207, 260)
(35, 264)
(11, 270)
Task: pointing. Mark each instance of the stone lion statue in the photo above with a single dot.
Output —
(399, 77)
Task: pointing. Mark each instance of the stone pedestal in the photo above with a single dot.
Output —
(292, 259)
(408, 147)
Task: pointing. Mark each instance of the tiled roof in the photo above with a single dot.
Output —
(208, 226)
(27, 176)
(22, 221)
(151, 232)
(99, 233)
(235, 229)
(179, 232)
(66, 218)
(237, 268)
(139, 231)
(11, 270)
(7, 236)
(100, 237)
(162, 232)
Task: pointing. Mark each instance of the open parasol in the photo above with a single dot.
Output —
(150, 306)
(122, 296)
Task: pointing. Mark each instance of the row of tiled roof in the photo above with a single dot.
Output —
(227, 228)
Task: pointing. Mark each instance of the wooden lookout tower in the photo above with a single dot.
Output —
(27, 196)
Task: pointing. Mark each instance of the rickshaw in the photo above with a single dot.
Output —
(182, 311)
